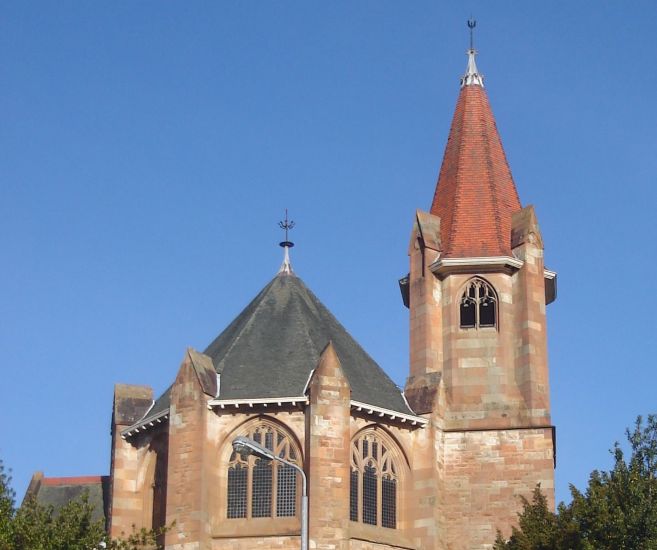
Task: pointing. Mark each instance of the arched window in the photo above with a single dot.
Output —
(374, 484)
(259, 488)
(478, 306)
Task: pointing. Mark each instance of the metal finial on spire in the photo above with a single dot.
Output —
(286, 225)
(472, 23)
(472, 75)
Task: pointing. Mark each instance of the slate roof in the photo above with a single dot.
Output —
(59, 491)
(270, 349)
(161, 404)
(475, 195)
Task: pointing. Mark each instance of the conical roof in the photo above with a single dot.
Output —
(475, 195)
(270, 349)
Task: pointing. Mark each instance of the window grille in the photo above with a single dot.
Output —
(373, 490)
(286, 497)
(261, 483)
(370, 508)
(237, 490)
(353, 496)
(258, 488)
(389, 502)
(478, 305)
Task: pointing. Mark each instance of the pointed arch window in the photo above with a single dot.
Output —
(258, 488)
(478, 305)
(374, 482)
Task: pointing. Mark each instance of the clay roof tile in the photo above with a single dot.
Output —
(475, 195)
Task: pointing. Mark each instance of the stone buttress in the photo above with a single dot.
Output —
(327, 448)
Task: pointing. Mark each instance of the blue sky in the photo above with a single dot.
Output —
(149, 150)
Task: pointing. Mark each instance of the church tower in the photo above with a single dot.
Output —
(477, 291)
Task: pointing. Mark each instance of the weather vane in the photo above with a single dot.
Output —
(472, 23)
(286, 225)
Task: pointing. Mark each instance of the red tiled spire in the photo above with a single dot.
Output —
(475, 194)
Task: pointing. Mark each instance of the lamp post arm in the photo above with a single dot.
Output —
(304, 500)
(244, 445)
(297, 468)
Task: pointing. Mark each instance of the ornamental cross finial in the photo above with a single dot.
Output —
(286, 225)
(472, 23)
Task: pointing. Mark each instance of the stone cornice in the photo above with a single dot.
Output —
(445, 266)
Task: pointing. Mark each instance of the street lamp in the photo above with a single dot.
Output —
(245, 446)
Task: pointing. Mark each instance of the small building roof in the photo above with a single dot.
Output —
(60, 491)
(271, 348)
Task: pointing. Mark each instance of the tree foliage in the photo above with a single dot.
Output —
(72, 527)
(6, 508)
(618, 510)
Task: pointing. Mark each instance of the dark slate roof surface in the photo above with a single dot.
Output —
(161, 404)
(271, 347)
(58, 492)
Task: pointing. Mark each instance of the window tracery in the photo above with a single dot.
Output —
(478, 305)
(374, 482)
(259, 488)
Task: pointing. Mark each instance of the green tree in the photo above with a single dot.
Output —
(6, 508)
(618, 510)
(37, 527)
(540, 529)
(42, 528)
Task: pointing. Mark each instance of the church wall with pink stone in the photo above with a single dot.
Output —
(482, 395)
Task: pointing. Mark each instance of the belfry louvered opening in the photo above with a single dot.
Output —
(478, 305)
(374, 481)
(259, 488)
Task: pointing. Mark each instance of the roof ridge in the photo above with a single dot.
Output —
(334, 318)
(491, 184)
(454, 126)
(458, 187)
(506, 161)
(249, 320)
(75, 480)
(309, 340)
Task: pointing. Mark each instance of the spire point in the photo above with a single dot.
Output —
(286, 225)
(472, 75)
(472, 23)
